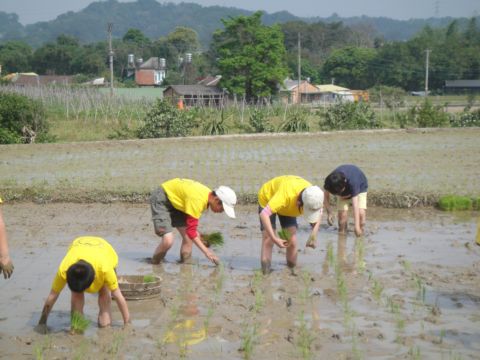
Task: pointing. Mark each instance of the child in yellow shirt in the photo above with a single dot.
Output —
(89, 266)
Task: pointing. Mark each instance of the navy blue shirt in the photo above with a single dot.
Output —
(356, 180)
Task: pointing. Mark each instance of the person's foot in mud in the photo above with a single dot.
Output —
(266, 267)
(157, 258)
(185, 258)
(292, 267)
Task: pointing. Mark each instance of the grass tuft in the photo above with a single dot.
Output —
(454, 203)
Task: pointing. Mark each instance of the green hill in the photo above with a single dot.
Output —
(156, 19)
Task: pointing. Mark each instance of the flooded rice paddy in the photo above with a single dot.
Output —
(417, 161)
(408, 290)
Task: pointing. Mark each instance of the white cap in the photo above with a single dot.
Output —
(312, 198)
(228, 198)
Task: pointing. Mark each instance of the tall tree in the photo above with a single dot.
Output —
(349, 66)
(137, 37)
(15, 56)
(56, 58)
(251, 56)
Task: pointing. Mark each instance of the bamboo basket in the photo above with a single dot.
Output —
(133, 287)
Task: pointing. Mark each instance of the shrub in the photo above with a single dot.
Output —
(258, 121)
(466, 119)
(165, 120)
(214, 125)
(296, 121)
(349, 115)
(427, 115)
(453, 202)
(18, 113)
(392, 97)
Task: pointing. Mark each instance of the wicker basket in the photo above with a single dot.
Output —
(133, 287)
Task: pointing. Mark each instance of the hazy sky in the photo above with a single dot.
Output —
(30, 11)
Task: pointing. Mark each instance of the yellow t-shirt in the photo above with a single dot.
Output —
(188, 196)
(1, 200)
(98, 253)
(281, 194)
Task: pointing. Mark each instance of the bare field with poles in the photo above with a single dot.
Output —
(404, 167)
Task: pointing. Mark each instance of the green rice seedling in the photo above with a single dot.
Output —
(360, 254)
(116, 343)
(421, 289)
(210, 311)
(256, 289)
(377, 290)
(399, 325)
(443, 332)
(414, 353)
(81, 350)
(307, 279)
(220, 279)
(259, 301)
(39, 348)
(330, 255)
(407, 266)
(284, 234)
(455, 356)
(149, 278)
(249, 338)
(370, 275)
(78, 323)
(341, 285)
(305, 338)
(257, 279)
(213, 239)
(454, 202)
(356, 353)
(348, 315)
(392, 306)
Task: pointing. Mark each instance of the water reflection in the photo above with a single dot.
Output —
(353, 263)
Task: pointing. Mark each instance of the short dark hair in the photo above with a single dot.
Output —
(335, 182)
(80, 276)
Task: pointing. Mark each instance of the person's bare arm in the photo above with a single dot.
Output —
(42, 323)
(328, 208)
(267, 225)
(6, 265)
(356, 216)
(122, 305)
(312, 239)
(210, 255)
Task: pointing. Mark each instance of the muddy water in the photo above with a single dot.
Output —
(408, 289)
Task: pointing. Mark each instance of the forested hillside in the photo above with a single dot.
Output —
(156, 19)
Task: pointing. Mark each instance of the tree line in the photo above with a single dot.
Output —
(253, 58)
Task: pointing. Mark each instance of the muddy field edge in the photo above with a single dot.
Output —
(399, 200)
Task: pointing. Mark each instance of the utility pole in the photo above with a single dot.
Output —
(426, 71)
(299, 68)
(110, 56)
